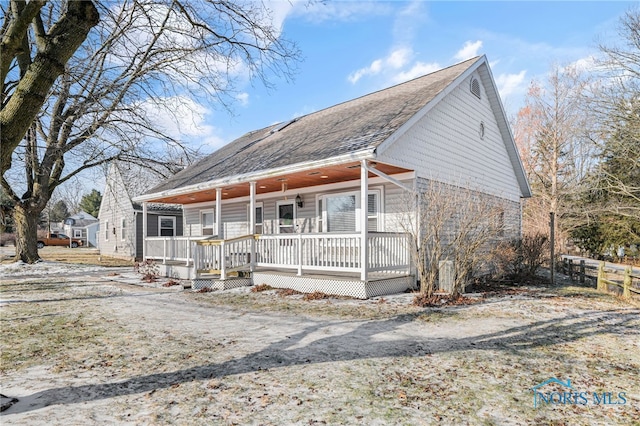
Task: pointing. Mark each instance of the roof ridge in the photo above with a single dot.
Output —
(384, 89)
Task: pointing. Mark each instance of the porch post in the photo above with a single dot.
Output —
(252, 223)
(219, 213)
(364, 243)
(144, 231)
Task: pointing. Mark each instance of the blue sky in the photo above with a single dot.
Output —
(352, 48)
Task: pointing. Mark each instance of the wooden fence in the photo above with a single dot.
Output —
(602, 276)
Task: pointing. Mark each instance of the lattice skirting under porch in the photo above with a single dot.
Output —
(338, 286)
(217, 284)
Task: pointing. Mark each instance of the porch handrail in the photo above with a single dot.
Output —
(217, 242)
(224, 256)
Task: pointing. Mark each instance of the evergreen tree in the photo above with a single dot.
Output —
(90, 202)
(59, 212)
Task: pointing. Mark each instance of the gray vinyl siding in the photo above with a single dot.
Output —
(115, 206)
(445, 146)
(192, 221)
(235, 220)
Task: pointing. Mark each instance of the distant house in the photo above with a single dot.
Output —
(121, 220)
(312, 203)
(82, 226)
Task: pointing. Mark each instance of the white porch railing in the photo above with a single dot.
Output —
(309, 251)
(388, 252)
(171, 248)
(223, 256)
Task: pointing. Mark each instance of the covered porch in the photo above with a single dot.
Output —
(305, 262)
(350, 251)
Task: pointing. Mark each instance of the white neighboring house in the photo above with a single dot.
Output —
(121, 220)
(82, 226)
(312, 203)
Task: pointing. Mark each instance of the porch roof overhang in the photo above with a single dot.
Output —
(302, 175)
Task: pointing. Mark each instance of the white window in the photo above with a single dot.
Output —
(286, 216)
(106, 231)
(207, 220)
(167, 226)
(339, 212)
(373, 211)
(123, 229)
(77, 233)
(259, 218)
(319, 214)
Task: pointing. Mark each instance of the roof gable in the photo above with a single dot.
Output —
(355, 126)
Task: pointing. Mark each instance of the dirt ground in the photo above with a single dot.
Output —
(82, 345)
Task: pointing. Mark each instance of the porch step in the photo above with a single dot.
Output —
(215, 275)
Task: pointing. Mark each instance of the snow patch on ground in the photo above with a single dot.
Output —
(45, 267)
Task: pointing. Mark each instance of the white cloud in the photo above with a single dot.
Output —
(243, 98)
(409, 21)
(319, 12)
(182, 118)
(511, 83)
(395, 60)
(417, 70)
(469, 50)
(586, 64)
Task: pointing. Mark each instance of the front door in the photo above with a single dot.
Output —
(286, 217)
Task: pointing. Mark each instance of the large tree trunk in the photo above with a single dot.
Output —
(54, 50)
(26, 228)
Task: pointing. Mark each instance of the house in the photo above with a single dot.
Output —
(121, 220)
(312, 203)
(82, 226)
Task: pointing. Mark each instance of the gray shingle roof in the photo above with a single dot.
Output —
(357, 125)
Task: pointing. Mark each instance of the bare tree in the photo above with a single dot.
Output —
(141, 60)
(618, 103)
(450, 223)
(553, 132)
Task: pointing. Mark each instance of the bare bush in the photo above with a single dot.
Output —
(520, 258)
(451, 223)
(260, 288)
(148, 269)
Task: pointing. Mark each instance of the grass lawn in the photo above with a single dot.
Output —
(90, 350)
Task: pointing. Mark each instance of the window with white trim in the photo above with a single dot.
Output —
(373, 210)
(339, 212)
(123, 229)
(106, 230)
(259, 218)
(166, 226)
(77, 233)
(207, 221)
